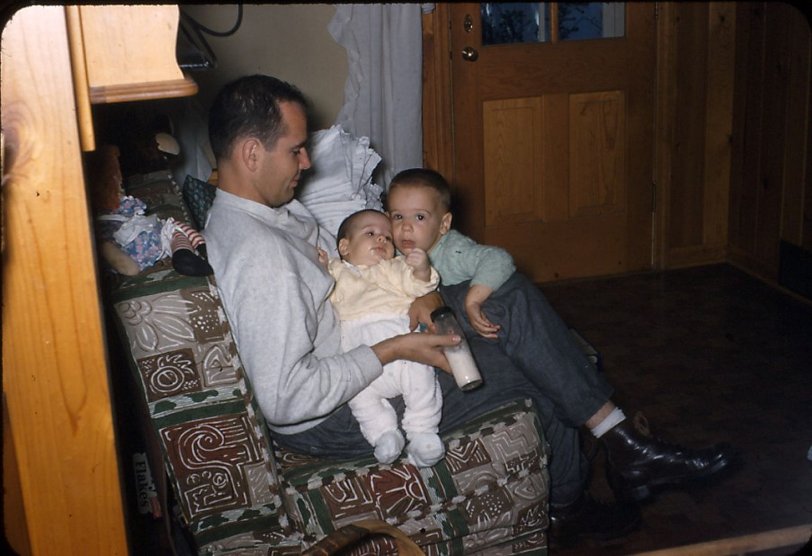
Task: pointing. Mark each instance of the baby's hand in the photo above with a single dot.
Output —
(323, 258)
(476, 295)
(418, 260)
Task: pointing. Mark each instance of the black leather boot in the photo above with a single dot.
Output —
(638, 464)
(587, 519)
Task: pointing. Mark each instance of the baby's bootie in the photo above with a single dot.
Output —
(389, 446)
(425, 449)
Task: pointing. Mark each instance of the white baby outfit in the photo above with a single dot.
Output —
(372, 303)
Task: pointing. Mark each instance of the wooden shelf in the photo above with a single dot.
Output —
(143, 91)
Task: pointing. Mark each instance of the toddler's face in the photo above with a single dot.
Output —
(418, 217)
(369, 240)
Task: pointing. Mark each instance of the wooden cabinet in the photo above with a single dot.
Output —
(55, 60)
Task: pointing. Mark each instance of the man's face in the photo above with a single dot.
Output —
(279, 168)
(369, 240)
(418, 218)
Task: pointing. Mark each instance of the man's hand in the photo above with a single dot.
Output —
(420, 348)
(421, 309)
(476, 296)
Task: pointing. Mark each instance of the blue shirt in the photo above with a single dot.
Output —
(458, 258)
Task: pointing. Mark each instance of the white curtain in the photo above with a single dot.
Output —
(382, 96)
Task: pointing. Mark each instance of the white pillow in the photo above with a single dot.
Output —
(340, 180)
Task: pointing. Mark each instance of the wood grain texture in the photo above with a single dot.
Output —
(127, 66)
(698, 351)
(745, 544)
(549, 148)
(110, 44)
(54, 362)
(718, 122)
(437, 109)
(14, 526)
(84, 115)
(771, 189)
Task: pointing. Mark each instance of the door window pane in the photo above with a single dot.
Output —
(510, 22)
(590, 20)
(524, 22)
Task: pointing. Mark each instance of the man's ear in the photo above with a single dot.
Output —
(249, 150)
(343, 247)
(445, 223)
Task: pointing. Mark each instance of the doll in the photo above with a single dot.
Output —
(131, 241)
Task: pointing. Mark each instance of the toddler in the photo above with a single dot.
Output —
(418, 202)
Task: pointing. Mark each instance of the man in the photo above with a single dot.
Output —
(275, 294)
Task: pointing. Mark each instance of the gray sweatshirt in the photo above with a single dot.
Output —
(275, 295)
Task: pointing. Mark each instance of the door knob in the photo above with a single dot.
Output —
(470, 54)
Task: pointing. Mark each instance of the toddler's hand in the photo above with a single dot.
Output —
(480, 322)
(417, 259)
(477, 294)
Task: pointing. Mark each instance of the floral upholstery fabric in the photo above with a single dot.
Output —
(239, 494)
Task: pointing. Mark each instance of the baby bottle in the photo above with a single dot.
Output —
(463, 366)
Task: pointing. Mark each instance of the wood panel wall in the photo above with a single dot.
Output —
(771, 190)
(732, 145)
(696, 50)
(437, 94)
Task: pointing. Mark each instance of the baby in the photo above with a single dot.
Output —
(372, 295)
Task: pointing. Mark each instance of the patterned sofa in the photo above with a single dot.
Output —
(235, 492)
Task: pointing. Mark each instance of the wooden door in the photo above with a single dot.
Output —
(553, 142)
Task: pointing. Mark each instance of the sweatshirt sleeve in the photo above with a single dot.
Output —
(286, 331)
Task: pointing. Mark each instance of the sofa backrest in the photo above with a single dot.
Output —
(213, 440)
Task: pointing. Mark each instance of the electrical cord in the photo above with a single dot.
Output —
(202, 28)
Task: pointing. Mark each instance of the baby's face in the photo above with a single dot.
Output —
(418, 217)
(369, 240)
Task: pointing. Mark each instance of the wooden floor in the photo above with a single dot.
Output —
(708, 354)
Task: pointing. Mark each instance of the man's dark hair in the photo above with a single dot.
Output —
(424, 177)
(249, 107)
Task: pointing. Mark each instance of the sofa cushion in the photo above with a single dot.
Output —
(214, 442)
(236, 494)
(489, 491)
(161, 194)
(198, 196)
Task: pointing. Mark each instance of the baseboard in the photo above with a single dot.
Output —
(790, 537)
